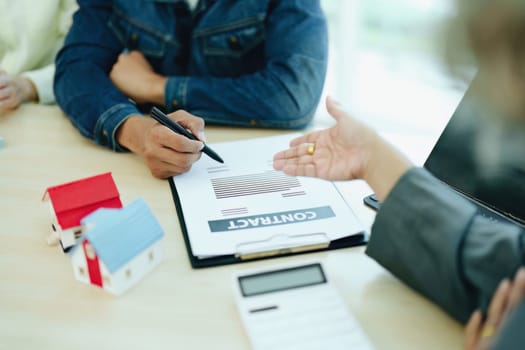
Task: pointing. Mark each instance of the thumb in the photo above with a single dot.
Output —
(335, 109)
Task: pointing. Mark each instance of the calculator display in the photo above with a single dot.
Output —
(280, 280)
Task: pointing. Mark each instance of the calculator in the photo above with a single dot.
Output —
(295, 307)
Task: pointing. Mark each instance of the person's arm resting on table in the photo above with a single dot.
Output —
(100, 111)
(282, 93)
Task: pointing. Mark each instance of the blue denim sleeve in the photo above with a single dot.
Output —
(284, 94)
(82, 86)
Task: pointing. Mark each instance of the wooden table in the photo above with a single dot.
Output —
(42, 306)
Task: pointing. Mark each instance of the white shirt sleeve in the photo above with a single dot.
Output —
(43, 81)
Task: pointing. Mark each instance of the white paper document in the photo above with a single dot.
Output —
(244, 205)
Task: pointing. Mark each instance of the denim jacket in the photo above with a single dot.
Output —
(258, 63)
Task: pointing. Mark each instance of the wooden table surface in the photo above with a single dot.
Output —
(42, 306)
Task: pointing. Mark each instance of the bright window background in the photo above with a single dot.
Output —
(386, 66)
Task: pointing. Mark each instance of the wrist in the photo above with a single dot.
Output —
(26, 90)
(131, 133)
(157, 89)
(384, 167)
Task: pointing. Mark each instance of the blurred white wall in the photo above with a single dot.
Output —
(386, 66)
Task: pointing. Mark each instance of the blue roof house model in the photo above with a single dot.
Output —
(119, 248)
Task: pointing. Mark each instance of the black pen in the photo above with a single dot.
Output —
(162, 118)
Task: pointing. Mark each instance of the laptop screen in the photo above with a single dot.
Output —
(482, 158)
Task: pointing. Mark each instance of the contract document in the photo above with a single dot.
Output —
(246, 208)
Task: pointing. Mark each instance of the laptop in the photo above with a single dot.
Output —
(478, 157)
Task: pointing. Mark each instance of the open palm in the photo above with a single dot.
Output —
(341, 152)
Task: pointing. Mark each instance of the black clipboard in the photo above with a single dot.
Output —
(357, 239)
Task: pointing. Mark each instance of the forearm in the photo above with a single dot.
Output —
(155, 89)
(432, 239)
(384, 167)
(82, 86)
(417, 236)
(96, 107)
(281, 89)
(492, 251)
(262, 99)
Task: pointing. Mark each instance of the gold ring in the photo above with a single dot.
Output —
(311, 149)
(488, 331)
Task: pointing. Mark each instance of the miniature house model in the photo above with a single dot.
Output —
(72, 201)
(118, 248)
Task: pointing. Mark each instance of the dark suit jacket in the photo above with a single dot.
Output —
(432, 238)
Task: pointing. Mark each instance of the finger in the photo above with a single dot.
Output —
(299, 152)
(498, 304)
(170, 160)
(290, 168)
(295, 169)
(307, 138)
(179, 167)
(182, 161)
(136, 54)
(8, 103)
(164, 170)
(335, 109)
(176, 142)
(473, 330)
(517, 292)
(278, 164)
(290, 165)
(193, 123)
(6, 92)
(289, 153)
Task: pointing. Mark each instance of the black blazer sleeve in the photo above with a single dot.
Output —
(432, 239)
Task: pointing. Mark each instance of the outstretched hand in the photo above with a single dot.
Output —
(165, 152)
(339, 153)
(348, 150)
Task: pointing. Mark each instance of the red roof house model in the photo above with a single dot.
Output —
(74, 200)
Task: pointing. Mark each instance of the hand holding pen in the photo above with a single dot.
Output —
(162, 118)
(166, 150)
(166, 153)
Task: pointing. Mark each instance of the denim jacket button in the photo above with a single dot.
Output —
(104, 137)
(132, 42)
(233, 43)
(175, 103)
(253, 122)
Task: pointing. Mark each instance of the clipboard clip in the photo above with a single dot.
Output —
(282, 244)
